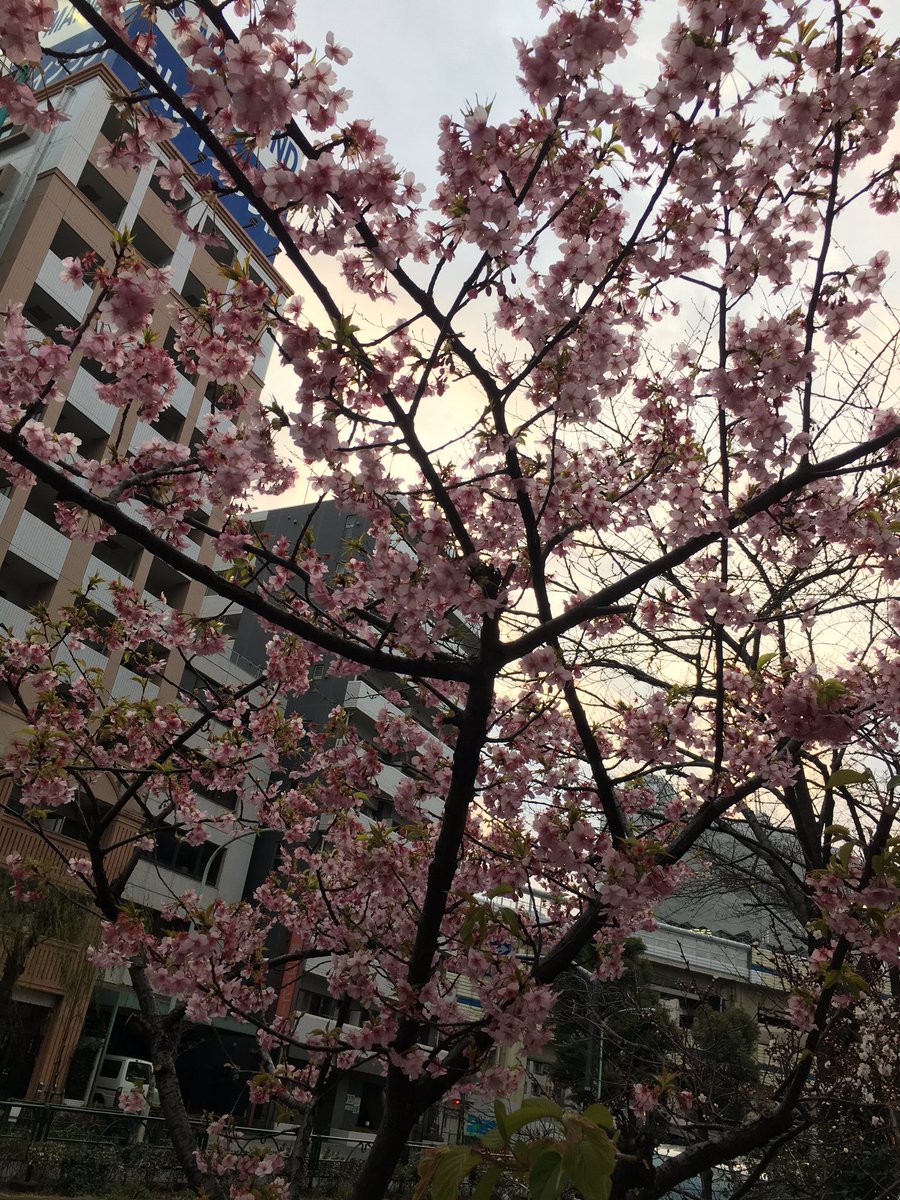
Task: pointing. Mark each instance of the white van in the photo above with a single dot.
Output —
(118, 1076)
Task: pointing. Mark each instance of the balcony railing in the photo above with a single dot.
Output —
(129, 686)
(698, 950)
(83, 396)
(39, 544)
(14, 618)
(74, 300)
(142, 433)
(182, 394)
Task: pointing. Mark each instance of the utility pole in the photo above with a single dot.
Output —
(591, 987)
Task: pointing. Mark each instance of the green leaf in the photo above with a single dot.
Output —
(467, 929)
(454, 1164)
(764, 659)
(599, 1115)
(845, 776)
(500, 1118)
(485, 1186)
(510, 919)
(893, 782)
(829, 690)
(591, 1167)
(536, 1108)
(546, 1177)
(427, 1165)
(853, 981)
(493, 1139)
(838, 831)
(526, 1151)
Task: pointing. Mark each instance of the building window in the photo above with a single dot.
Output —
(41, 503)
(66, 821)
(114, 125)
(157, 188)
(163, 580)
(98, 624)
(371, 1104)
(193, 292)
(203, 862)
(46, 314)
(92, 437)
(119, 553)
(10, 133)
(97, 372)
(169, 347)
(23, 584)
(96, 188)
(68, 244)
(317, 1004)
(223, 255)
(227, 799)
(146, 660)
(149, 244)
(538, 1081)
(169, 424)
(683, 1009)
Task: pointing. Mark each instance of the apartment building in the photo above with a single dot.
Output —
(56, 201)
(354, 1109)
(687, 969)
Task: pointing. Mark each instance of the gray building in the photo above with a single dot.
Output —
(353, 1110)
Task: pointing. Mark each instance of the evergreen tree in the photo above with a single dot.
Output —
(610, 1034)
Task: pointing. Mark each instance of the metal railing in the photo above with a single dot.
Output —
(61, 1147)
(58, 1145)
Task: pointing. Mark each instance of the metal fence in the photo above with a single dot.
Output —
(90, 1150)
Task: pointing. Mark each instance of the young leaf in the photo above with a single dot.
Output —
(485, 1187)
(453, 1166)
(845, 776)
(536, 1108)
(546, 1177)
(599, 1115)
(493, 1139)
(427, 1166)
(838, 832)
(500, 1118)
(591, 1166)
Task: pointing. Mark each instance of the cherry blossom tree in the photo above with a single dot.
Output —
(655, 540)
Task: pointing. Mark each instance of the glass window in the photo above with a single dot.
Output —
(201, 862)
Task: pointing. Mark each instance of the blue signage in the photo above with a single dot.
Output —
(70, 33)
(478, 1126)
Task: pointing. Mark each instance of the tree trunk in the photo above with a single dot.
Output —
(296, 1163)
(13, 966)
(400, 1115)
(163, 1044)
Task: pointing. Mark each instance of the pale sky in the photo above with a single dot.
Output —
(414, 60)
(412, 63)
